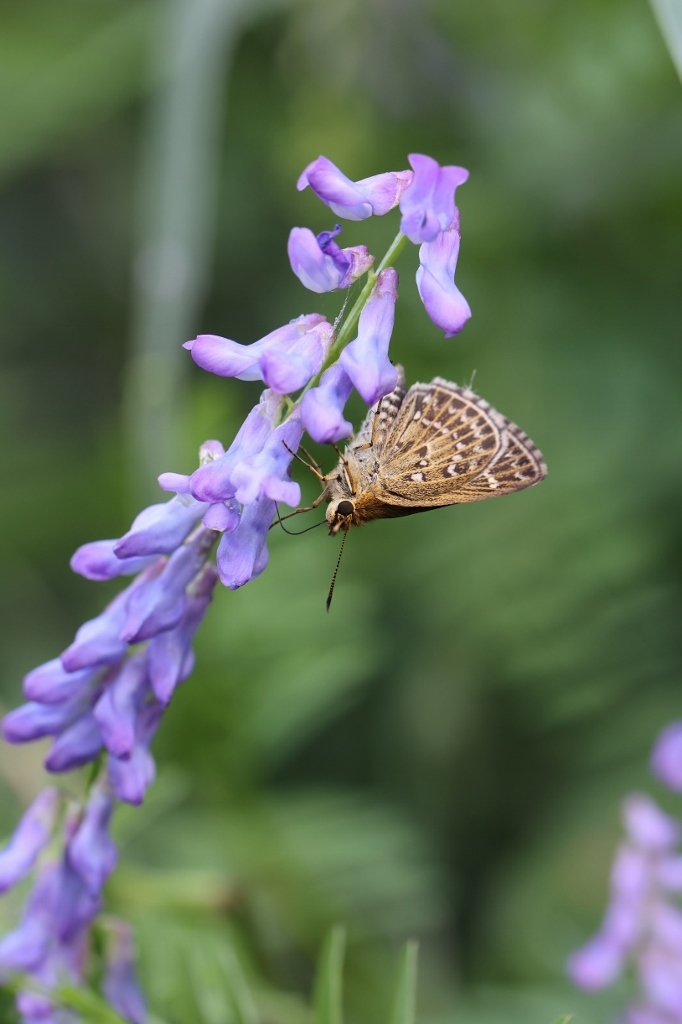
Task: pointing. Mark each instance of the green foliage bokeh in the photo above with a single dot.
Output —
(442, 757)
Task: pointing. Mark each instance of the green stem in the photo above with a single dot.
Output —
(349, 324)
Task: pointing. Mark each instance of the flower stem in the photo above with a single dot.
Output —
(349, 324)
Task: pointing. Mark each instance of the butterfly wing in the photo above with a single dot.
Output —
(448, 446)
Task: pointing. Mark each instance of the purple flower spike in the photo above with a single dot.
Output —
(287, 370)
(33, 721)
(117, 709)
(92, 851)
(160, 603)
(366, 360)
(120, 985)
(647, 826)
(666, 760)
(596, 965)
(30, 838)
(25, 948)
(213, 482)
(98, 642)
(79, 744)
(428, 203)
(160, 529)
(230, 359)
(97, 561)
(130, 778)
(322, 407)
(443, 301)
(266, 475)
(321, 265)
(168, 654)
(243, 555)
(354, 200)
(52, 684)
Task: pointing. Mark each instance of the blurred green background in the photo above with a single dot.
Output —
(443, 755)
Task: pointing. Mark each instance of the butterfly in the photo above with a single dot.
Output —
(437, 444)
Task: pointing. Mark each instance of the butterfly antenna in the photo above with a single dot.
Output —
(296, 533)
(338, 563)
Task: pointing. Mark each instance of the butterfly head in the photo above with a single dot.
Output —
(340, 515)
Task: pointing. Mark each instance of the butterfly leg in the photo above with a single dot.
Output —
(344, 460)
(375, 427)
(315, 469)
(298, 511)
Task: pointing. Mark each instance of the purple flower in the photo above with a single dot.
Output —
(223, 516)
(120, 986)
(443, 301)
(321, 265)
(428, 203)
(91, 851)
(322, 407)
(25, 948)
(169, 653)
(33, 721)
(596, 965)
(661, 979)
(160, 529)
(117, 709)
(213, 482)
(159, 603)
(98, 561)
(287, 370)
(647, 826)
(366, 360)
(297, 343)
(131, 777)
(666, 760)
(98, 642)
(77, 745)
(52, 684)
(265, 475)
(243, 555)
(354, 200)
(30, 838)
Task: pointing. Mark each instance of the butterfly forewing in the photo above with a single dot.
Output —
(448, 446)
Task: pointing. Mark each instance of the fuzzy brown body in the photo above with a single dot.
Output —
(434, 445)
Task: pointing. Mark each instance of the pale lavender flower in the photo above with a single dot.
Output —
(265, 475)
(77, 745)
(30, 838)
(243, 555)
(159, 603)
(24, 948)
(120, 986)
(428, 203)
(666, 760)
(52, 684)
(443, 301)
(596, 965)
(213, 481)
(248, 362)
(99, 641)
(160, 529)
(130, 777)
(98, 561)
(322, 407)
(321, 265)
(354, 200)
(117, 710)
(169, 653)
(366, 360)
(33, 721)
(91, 850)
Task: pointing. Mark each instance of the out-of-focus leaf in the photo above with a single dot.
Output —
(405, 998)
(328, 998)
(93, 1009)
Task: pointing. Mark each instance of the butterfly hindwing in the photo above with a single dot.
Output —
(448, 446)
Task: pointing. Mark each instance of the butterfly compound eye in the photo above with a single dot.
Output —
(345, 508)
